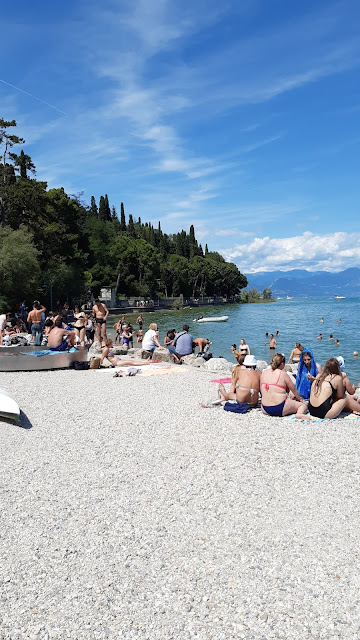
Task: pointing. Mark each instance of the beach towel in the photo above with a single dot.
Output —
(342, 416)
(303, 385)
(222, 380)
(46, 352)
(237, 407)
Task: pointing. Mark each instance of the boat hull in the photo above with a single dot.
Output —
(219, 319)
(25, 362)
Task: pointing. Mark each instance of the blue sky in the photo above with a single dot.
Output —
(242, 119)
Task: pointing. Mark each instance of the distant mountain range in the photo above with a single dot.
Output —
(299, 282)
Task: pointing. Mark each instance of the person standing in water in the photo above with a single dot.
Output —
(272, 342)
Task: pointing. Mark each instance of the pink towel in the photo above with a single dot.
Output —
(222, 380)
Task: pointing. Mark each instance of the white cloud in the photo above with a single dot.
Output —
(331, 252)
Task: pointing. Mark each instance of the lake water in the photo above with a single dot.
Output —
(297, 320)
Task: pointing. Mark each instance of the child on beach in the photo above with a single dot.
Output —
(117, 327)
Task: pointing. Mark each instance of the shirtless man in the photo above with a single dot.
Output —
(100, 312)
(272, 342)
(60, 339)
(34, 319)
(201, 343)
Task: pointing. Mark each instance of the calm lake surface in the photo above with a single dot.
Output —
(297, 320)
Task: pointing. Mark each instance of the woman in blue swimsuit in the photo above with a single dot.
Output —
(275, 383)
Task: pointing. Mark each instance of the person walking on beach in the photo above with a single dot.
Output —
(101, 313)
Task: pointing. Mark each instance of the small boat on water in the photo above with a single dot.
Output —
(212, 319)
(339, 298)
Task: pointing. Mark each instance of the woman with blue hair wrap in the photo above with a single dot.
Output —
(307, 371)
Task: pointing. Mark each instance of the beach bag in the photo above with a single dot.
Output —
(237, 407)
(206, 356)
(95, 363)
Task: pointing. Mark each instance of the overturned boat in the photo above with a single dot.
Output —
(36, 359)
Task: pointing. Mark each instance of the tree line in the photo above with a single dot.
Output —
(49, 238)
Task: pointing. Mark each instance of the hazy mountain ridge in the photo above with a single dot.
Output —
(298, 282)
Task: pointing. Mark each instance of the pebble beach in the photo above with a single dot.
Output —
(130, 511)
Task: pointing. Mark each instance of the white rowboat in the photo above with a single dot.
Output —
(213, 319)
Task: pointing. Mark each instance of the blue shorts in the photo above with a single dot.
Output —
(35, 329)
(62, 347)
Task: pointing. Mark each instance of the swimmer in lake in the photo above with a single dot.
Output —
(272, 342)
(322, 320)
(337, 343)
(320, 336)
(331, 336)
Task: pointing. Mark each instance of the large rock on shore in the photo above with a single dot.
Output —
(162, 354)
(219, 365)
(261, 365)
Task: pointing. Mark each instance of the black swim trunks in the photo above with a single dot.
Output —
(100, 320)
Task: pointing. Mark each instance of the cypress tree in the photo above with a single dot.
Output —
(131, 227)
(122, 218)
(206, 250)
(102, 209)
(107, 208)
(93, 211)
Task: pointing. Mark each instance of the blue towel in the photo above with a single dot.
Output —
(303, 385)
(237, 407)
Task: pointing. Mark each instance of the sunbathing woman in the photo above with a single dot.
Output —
(275, 383)
(327, 393)
(117, 361)
(245, 384)
(294, 356)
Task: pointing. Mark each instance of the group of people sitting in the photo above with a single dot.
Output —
(321, 392)
(179, 343)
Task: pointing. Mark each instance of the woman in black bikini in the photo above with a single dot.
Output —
(327, 398)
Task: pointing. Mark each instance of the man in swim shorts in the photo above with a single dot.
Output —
(101, 313)
(60, 339)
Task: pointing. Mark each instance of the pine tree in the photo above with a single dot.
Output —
(113, 213)
(206, 250)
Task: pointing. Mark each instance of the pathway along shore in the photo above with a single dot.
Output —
(128, 511)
